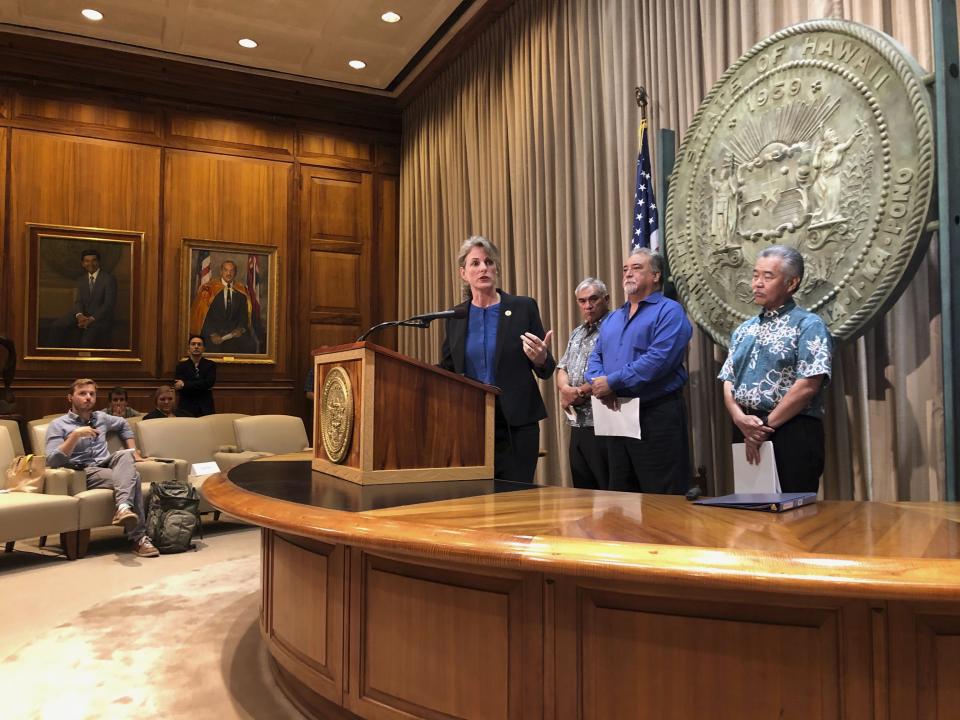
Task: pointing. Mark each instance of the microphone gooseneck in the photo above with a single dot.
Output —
(417, 321)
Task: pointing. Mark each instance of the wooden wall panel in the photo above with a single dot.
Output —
(96, 158)
(388, 251)
(79, 117)
(336, 150)
(232, 200)
(330, 334)
(6, 272)
(230, 135)
(65, 180)
(337, 235)
(252, 399)
(388, 157)
(341, 287)
(338, 203)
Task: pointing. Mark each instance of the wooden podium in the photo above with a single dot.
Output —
(381, 417)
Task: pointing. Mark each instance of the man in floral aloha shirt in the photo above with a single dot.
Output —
(775, 374)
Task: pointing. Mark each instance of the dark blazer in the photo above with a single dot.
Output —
(157, 415)
(520, 399)
(221, 321)
(196, 397)
(98, 302)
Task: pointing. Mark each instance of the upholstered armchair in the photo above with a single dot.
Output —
(28, 515)
(264, 435)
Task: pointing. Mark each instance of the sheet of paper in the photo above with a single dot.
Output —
(622, 422)
(760, 478)
(204, 468)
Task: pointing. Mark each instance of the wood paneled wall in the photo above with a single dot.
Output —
(325, 196)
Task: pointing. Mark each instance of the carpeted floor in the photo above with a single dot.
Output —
(185, 646)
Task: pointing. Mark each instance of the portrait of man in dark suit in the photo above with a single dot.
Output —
(228, 297)
(90, 322)
(222, 313)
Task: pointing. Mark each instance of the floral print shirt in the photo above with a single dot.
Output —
(769, 352)
(574, 361)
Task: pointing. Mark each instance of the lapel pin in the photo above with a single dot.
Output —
(508, 313)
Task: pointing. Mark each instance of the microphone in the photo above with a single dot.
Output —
(420, 321)
(458, 313)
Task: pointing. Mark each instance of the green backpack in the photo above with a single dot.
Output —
(173, 517)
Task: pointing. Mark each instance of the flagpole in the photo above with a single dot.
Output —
(646, 222)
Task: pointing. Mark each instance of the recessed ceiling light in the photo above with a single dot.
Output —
(247, 43)
(357, 64)
(390, 17)
(91, 14)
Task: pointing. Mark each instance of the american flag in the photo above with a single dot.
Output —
(203, 269)
(253, 287)
(646, 217)
(253, 283)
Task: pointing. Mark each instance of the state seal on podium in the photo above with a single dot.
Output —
(336, 414)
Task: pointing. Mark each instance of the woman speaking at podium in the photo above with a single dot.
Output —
(499, 341)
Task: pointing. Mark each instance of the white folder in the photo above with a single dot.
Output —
(760, 478)
(622, 422)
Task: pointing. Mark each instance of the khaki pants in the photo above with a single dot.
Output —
(119, 474)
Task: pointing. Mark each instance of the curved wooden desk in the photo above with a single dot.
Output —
(562, 603)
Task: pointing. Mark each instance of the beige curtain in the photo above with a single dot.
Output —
(530, 139)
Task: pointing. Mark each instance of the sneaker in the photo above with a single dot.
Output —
(145, 548)
(127, 518)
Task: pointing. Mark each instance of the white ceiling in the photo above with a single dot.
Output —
(309, 39)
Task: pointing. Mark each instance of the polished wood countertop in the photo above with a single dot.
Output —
(835, 548)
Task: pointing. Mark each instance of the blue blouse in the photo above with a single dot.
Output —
(481, 343)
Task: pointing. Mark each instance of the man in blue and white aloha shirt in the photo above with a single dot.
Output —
(775, 374)
(589, 466)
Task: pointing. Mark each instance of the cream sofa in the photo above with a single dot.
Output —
(29, 515)
(97, 507)
(190, 441)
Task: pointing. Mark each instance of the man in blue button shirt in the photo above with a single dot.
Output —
(78, 440)
(639, 354)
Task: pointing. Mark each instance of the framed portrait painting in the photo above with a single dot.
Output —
(230, 298)
(81, 302)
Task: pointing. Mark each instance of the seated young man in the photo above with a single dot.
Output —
(78, 440)
(118, 404)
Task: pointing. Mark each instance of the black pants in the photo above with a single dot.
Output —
(798, 449)
(589, 464)
(659, 462)
(515, 451)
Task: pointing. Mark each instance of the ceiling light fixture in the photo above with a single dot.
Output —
(357, 64)
(390, 17)
(91, 14)
(247, 43)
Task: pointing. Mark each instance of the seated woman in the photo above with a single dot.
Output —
(165, 399)
(118, 404)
